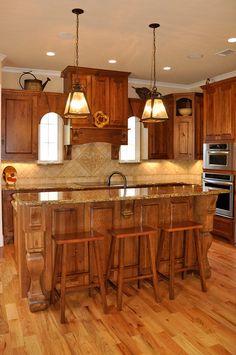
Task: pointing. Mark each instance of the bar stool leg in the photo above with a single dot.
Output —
(55, 272)
(110, 260)
(120, 274)
(159, 250)
(151, 247)
(200, 260)
(63, 283)
(185, 248)
(90, 267)
(139, 262)
(100, 274)
(172, 265)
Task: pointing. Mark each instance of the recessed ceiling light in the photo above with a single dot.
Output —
(195, 56)
(112, 61)
(232, 40)
(66, 35)
(166, 68)
(50, 54)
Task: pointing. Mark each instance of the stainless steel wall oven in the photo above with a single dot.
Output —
(225, 202)
(219, 156)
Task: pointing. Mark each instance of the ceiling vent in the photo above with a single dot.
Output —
(226, 52)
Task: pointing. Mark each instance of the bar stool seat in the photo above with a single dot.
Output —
(120, 234)
(62, 241)
(170, 230)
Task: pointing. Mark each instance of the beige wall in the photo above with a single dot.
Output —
(92, 161)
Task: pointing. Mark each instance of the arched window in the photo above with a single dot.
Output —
(51, 138)
(131, 151)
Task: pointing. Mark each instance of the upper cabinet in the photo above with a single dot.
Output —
(220, 110)
(22, 111)
(106, 91)
(19, 139)
(179, 137)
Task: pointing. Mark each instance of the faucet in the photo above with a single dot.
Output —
(117, 173)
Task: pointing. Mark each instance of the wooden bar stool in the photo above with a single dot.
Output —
(120, 235)
(171, 231)
(62, 241)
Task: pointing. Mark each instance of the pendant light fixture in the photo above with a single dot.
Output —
(77, 105)
(154, 110)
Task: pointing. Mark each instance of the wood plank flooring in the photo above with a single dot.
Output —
(194, 323)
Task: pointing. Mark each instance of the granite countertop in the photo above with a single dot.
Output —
(82, 186)
(112, 194)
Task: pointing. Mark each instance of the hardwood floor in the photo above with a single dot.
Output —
(194, 323)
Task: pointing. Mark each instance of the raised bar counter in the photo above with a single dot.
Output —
(38, 215)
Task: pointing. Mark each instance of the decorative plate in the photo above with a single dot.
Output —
(100, 119)
(9, 175)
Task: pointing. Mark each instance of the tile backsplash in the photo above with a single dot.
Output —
(92, 162)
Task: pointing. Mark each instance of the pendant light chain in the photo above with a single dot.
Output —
(154, 57)
(77, 42)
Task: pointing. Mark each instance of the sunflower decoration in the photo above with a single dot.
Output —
(100, 119)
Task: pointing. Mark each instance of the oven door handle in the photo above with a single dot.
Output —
(223, 183)
(218, 152)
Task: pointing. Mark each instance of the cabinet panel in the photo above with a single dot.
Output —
(158, 144)
(219, 110)
(19, 125)
(100, 94)
(224, 228)
(183, 138)
(118, 101)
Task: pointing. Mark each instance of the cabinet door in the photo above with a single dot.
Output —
(160, 135)
(100, 94)
(19, 126)
(183, 138)
(158, 141)
(224, 111)
(118, 101)
(219, 111)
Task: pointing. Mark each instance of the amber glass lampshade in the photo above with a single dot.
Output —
(76, 104)
(154, 110)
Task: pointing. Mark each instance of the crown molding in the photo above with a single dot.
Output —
(142, 82)
(55, 73)
(132, 81)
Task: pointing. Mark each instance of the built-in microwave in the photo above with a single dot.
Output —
(219, 156)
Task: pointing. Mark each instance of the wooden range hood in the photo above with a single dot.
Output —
(106, 91)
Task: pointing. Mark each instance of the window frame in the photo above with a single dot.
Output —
(60, 131)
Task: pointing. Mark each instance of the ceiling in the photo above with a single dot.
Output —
(119, 29)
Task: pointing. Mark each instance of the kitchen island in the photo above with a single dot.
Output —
(39, 215)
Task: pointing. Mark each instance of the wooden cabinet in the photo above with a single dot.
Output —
(224, 228)
(220, 110)
(7, 216)
(19, 139)
(180, 137)
(21, 115)
(106, 91)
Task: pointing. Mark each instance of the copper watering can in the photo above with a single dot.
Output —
(32, 84)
